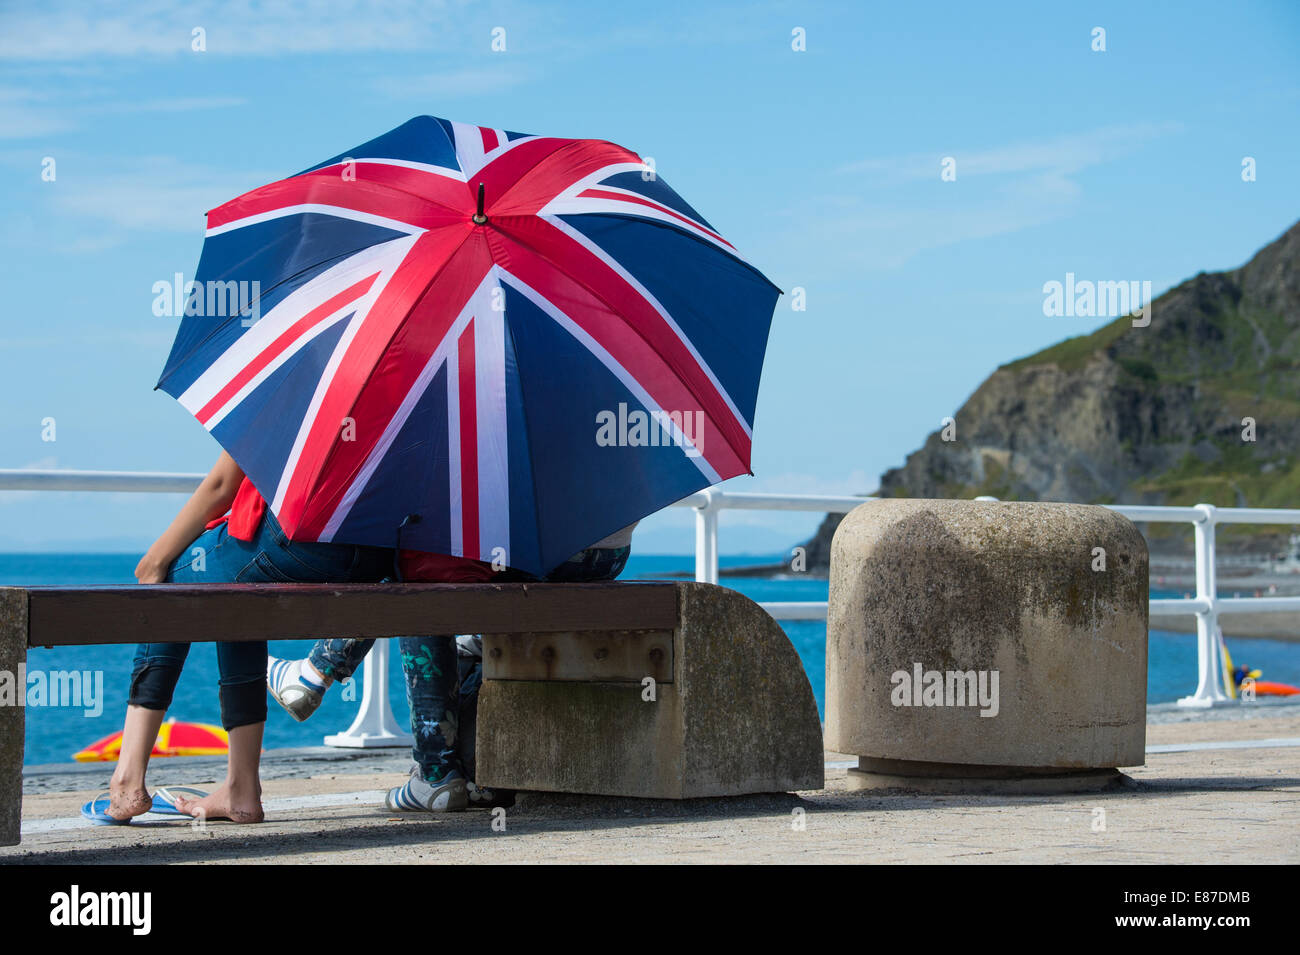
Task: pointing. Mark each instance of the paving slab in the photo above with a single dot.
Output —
(1221, 805)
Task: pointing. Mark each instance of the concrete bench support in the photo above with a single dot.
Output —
(733, 711)
(977, 646)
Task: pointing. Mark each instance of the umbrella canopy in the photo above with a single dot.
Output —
(174, 739)
(506, 345)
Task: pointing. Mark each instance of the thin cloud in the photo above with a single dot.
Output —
(853, 232)
(156, 193)
(1063, 155)
(25, 114)
(65, 31)
(888, 210)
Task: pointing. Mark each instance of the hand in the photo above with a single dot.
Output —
(150, 571)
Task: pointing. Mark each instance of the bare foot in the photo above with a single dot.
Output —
(125, 801)
(226, 802)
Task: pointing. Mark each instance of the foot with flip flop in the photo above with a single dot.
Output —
(104, 810)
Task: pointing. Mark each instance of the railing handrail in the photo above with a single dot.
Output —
(1204, 518)
(171, 482)
(64, 479)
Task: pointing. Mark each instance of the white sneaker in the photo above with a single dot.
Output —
(298, 693)
(420, 795)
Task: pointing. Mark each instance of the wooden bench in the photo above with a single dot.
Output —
(668, 690)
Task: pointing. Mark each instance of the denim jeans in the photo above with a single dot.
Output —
(592, 564)
(214, 558)
(431, 668)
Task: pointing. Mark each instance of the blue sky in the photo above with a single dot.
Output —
(821, 165)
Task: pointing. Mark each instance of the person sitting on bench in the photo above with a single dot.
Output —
(439, 780)
(200, 546)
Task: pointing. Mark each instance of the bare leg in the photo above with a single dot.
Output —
(239, 797)
(127, 793)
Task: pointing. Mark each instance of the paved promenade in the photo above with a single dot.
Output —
(1218, 787)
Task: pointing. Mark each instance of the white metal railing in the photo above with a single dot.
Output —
(1206, 605)
(375, 726)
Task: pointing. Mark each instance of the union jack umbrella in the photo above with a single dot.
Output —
(506, 345)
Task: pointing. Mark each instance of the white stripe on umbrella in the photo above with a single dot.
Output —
(490, 394)
(453, 440)
(469, 148)
(383, 258)
(327, 375)
(342, 212)
(571, 202)
(404, 163)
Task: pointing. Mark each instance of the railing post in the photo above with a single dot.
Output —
(706, 539)
(1209, 686)
(374, 726)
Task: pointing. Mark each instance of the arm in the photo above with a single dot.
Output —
(212, 499)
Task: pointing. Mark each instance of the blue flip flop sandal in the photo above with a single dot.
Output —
(97, 812)
(165, 798)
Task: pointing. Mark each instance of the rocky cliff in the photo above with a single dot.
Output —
(1201, 405)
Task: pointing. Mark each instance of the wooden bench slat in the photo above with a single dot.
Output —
(183, 613)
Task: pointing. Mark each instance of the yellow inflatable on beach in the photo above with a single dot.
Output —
(174, 739)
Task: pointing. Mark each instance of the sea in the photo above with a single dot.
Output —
(55, 733)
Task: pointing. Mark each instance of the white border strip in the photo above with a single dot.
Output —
(340, 212)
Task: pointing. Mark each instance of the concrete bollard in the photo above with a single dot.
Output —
(986, 646)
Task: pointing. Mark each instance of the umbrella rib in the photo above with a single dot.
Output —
(596, 295)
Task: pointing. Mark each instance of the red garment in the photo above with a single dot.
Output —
(246, 512)
(417, 566)
(249, 506)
